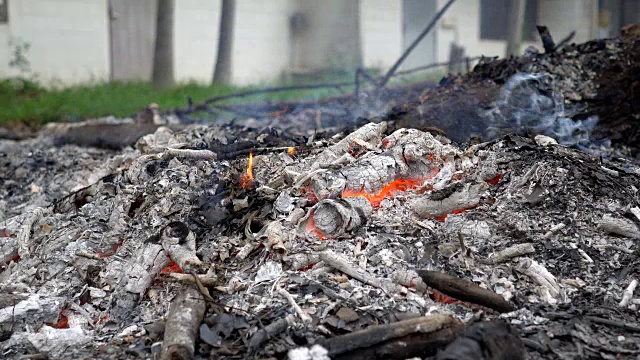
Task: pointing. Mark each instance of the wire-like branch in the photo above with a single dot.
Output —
(415, 43)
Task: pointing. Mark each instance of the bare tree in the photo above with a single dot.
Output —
(222, 72)
(163, 54)
(514, 26)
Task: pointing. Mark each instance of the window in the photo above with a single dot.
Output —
(493, 19)
(4, 11)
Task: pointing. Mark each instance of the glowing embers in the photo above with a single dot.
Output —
(455, 212)
(335, 218)
(246, 181)
(495, 180)
(172, 267)
(291, 151)
(400, 185)
(311, 228)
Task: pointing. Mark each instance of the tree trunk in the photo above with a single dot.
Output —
(163, 54)
(222, 72)
(515, 25)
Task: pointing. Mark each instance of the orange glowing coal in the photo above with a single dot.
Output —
(457, 211)
(311, 227)
(291, 151)
(390, 189)
(246, 181)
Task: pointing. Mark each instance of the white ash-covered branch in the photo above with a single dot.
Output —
(339, 263)
(181, 330)
(628, 293)
(335, 218)
(435, 206)
(370, 133)
(510, 253)
(542, 277)
(33, 312)
(180, 244)
(620, 226)
(298, 310)
(24, 236)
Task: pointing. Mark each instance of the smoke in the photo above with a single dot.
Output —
(533, 103)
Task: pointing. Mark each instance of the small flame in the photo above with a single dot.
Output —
(291, 151)
(246, 182)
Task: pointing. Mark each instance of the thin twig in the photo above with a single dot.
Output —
(303, 315)
(415, 43)
(628, 293)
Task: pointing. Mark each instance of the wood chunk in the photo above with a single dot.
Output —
(465, 290)
(374, 335)
(261, 336)
(181, 331)
(618, 226)
(509, 253)
(179, 242)
(494, 340)
(411, 346)
(33, 311)
(469, 196)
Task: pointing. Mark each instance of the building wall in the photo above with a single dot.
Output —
(461, 24)
(565, 16)
(195, 39)
(69, 39)
(261, 50)
(381, 32)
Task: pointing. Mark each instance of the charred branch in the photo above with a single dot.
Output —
(465, 290)
(346, 345)
(486, 341)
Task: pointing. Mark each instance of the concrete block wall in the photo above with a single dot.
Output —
(381, 32)
(261, 50)
(68, 39)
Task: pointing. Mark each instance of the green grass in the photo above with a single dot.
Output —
(23, 100)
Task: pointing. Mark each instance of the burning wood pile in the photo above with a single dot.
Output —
(232, 241)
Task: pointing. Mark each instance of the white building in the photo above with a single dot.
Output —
(75, 41)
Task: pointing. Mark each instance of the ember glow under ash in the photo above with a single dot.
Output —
(246, 182)
(291, 151)
(399, 185)
(455, 212)
(311, 227)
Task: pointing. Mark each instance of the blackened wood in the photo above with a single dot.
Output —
(261, 336)
(547, 40)
(632, 327)
(494, 340)
(181, 331)
(465, 290)
(411, 346)
(515, 23)
(375, 335)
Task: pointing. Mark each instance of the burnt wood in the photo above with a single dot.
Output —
(465, 290)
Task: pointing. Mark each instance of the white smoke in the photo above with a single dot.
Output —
(533, 102)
